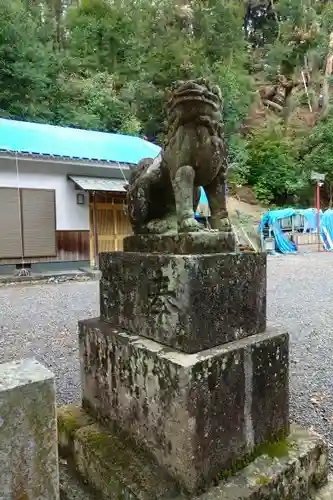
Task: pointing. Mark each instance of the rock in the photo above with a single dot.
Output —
(28, 433)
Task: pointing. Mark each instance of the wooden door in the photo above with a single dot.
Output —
(112, 225)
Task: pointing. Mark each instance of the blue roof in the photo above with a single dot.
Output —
(41, 139)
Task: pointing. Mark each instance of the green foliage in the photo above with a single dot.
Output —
(174, 44)
(97, 105)
(317, 155)
(238, 95)
(302, 37)
(239, 169)
(108, 64)
(27, 67)
(272, 167)
(299, 32)
(318, 150)
(100, 34)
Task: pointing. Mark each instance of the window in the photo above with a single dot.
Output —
(10, 224)
(27, 221)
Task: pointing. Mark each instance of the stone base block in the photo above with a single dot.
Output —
(188, 302)
(195, 413)
(202, 242)
(295, 468)
(28, 432)
(108, 462)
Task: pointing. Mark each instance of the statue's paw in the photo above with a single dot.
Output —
(190, 225)
(220, 224)
(166, 225)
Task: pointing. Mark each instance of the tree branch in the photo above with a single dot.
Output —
(272, 105)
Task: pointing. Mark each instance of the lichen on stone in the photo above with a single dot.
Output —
(263, 480)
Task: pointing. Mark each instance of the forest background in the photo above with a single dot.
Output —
(107, 65)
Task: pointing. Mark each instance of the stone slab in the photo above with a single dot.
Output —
(202, 242)
(195, 413)
(28, 432)
(295, 468)
(186, 302)
(108, 461)
(71, 485)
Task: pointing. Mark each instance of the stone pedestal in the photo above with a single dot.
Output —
(197, 414)
(184, 386)
(28, 433)
(188, 302)
(182, 244)
(295, 468)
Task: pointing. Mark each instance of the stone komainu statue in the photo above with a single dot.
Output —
(163, 194)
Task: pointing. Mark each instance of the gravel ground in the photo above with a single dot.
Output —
(40, 321)
(300, 301)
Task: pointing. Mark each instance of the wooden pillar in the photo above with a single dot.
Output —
(95, 233)
(115, 229)
(91, 234)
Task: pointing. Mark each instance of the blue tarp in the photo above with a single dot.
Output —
(283, 244)
(271, 219)
(37, 138)
(326, 232)
(203, 200)
(310, 219)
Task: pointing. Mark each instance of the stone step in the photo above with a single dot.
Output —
(71, 487)
(289, 469)
(108, 462)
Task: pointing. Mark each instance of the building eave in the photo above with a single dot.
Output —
(11, 155)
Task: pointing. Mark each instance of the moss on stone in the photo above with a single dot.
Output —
(235, 467)
(71, 418)
(117, 465)
(101, 442)
(276, 449)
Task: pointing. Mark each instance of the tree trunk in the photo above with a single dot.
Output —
(57, 10)
(328, 74)
(273, 105)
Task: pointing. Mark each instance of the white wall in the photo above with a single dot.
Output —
(69, 215)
